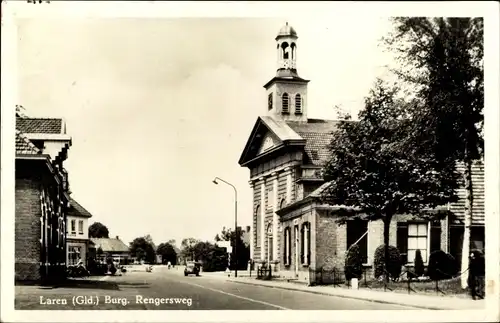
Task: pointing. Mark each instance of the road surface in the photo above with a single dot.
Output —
(165, 289)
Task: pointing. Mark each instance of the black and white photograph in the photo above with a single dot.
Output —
(280, 159)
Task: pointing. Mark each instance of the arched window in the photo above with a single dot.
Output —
(258, 220)
(285, 104)
(287, 255)
(286, 50)
(294, 50)
(305, 243)
(270, 237)
(298, 104)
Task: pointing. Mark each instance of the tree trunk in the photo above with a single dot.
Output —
(467, 220)
(387, 223)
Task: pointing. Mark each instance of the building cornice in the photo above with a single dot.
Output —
(48, 136)
(278, 170)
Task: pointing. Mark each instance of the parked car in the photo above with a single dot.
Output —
(192, 268)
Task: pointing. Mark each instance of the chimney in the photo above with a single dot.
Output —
(248, 228)
(117, 238)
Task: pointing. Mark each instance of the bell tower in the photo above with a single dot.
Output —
(287, 91)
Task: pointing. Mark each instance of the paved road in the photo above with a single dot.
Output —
(203, 293)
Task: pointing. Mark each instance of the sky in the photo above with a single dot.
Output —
(157, 107)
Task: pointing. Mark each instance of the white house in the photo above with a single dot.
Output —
(77, 233)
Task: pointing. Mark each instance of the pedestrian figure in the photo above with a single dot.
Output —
(476, 269)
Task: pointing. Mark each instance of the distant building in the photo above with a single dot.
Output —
(110, 247)
(41, 198)
(77, 234)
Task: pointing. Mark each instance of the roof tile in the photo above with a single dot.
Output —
(318, 134)
(24, 146)
(40, 125)
(77, 210)
(110, 244)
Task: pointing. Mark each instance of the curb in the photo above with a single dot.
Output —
(343, 296)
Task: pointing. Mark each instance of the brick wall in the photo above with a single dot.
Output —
(27, 229)
(330, 242)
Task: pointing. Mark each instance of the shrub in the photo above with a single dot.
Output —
(353, 266)
(393, 264)
(442, 265)
(419, 263)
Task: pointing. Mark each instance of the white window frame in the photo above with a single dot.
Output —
(80, 226)
(422, 231)
(74, 250)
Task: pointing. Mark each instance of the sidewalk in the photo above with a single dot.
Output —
(429, 302)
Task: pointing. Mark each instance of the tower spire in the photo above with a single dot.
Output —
(287, 92)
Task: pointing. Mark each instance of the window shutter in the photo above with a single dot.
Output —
(308, 244)
(402, 241)
(435, 236)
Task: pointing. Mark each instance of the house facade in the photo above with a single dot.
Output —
(110, 247)
(292, 230)
(41, 199)
(77, 234)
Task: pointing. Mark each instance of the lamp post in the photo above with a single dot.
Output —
(215, 181)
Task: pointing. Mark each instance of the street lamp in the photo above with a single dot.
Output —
(215, 181)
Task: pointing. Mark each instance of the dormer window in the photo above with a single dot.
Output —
(285, 108)
(298, 104)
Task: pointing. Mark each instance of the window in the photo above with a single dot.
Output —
(73, 255)
(270, 255)
(285, 104)
(305, 243)
(257, 226)
(287, 244)
(417, 239)
(73, 226)
(270, 101)
(80, 227)
(357, 234)
(298, 104)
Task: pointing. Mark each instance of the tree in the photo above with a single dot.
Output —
(240, 259)
(142, 249)
(187, 246)
(213, 258)
(447, 55)
(419, 263)
(167, 252)
(98, 230)
(372, 172)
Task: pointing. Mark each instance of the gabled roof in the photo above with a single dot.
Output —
(77, 210)
(24, 146)
(264, 124)
(110, 244)
(318, 134)
(40, 125)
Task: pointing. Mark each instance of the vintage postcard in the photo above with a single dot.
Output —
(249, 161)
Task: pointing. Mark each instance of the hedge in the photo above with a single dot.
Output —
(393, 264)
